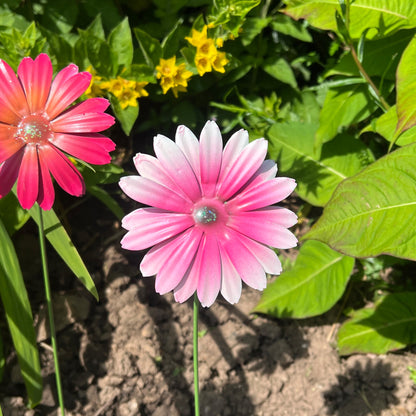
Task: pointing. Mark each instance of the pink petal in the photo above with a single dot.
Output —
(210, 157)
(231, 280)
(28, 180)
(7, 113)
(82, 123)
(91, 105)
(153, 226)
(36, 78)
(187, 286)
(86, 147)
(151, 193)
(247, 266)
(189, 145)
(277, 215)
(232, 150)
(177, 264)
(157, 256)
(263, 229)
(151, 168)
(65, 173)
(209, 281)
(67, 86)
(262, 194)
(248, 162)
(176, 165)
(46, 195)
(264, 255)
(9, 172)
(8, 144)
(12, 92)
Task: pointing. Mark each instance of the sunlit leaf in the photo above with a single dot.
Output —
(387, 326)
(281, 70)
(313, 285)
(405, 85)
(387, 16)
(292, 145)
(342, 107)
(121, 45)
(19, 317)
(126, 116)
(373, 212)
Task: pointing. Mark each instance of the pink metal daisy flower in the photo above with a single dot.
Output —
(37, 130)
(211, 219)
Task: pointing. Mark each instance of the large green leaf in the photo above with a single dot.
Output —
(389, 325)
(373, 212)
(405, 85)
(126, 116)
(281, 70)
(19, 317)
(384, 17)
(342, 107)
(58, 237)
(150, 47)
(311, 287)
(121, 46)
(292, 144)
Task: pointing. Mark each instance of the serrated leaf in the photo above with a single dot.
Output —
(313, 285)
(121, 46)
(342, 107)
(280, 70)
(292, 145)
(388, 326)
(58, 237)
(372, 212)
(19, 317)
(388, 16)
(405, 85)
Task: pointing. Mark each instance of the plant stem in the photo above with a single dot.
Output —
(195, 355)
(50, 311)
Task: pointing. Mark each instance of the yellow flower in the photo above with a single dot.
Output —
(207, 48)
(219, 62)
(197, 37)
(219, 42)
(128, 98)
(94, 90)
(115, 86)
(139, 88)
(172, 76)
(203, 64)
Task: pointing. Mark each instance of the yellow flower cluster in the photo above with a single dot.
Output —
(207, 57)
(172, 76)
(126, 91)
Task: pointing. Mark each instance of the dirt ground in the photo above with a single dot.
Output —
(131, 353)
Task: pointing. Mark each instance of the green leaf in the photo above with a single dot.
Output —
(385, 18)
(284, 24)
(385, 126)
(2, 359)
(281, 70)
(107, 200)
(292, 144)
(126, 116)
(405, 85)
(372, 212)
(121, 46)
(380, 57)
(314, 284)
(150, 47)
(19, 317)
(59, 15)
(12, 214)
(388, 326)
(253, 26)
(342, 107)
(58, 237)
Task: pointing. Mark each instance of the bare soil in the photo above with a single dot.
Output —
(131, 353)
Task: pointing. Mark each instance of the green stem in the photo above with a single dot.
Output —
(195, 339)
(50, 311)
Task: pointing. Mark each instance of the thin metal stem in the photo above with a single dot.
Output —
(195, 355)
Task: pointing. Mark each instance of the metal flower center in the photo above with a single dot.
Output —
(34, 129)
(205, 215)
